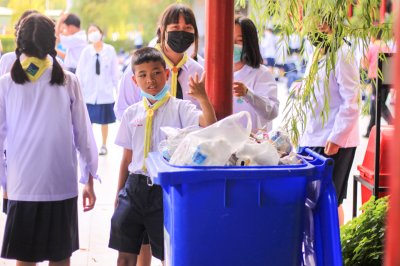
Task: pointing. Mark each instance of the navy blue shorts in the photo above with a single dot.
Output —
(38, 231)
(139, 210)
(101, 113)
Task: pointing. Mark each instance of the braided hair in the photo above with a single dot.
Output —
(36, 38)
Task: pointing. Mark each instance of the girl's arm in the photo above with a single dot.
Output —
(123, 171)
(263, 96)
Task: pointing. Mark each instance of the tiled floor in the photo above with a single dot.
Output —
(94, 225)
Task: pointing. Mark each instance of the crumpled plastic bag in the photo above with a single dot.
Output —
(175, 136)
(281, 141)
(253, 154)
(213, 145)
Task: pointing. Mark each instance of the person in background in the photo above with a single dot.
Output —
(44, 119)
(176, 33)
(72, 38)
(138, 40)
(97, 72)
(370, 62)
(268, 48)
(335, 136)
(139, 204)
(254, 87)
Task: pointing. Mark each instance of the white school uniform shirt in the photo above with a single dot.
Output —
(129, 93)
(261, 100)
(45, 126)
(98, 89)
(294, 41)
(7, 61)
(268, 45)
(341, 126)
(175, 113)
(74, 45)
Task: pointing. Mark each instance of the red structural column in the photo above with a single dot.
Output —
(392, 254)
(219, 55)
(382, 11)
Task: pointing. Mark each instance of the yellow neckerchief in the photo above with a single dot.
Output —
(35, 67)
(149, 122)
(174, 70)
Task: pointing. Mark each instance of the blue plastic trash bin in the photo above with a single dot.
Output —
(245, 215)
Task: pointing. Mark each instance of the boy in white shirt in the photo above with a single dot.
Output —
(139, 206)
(69, 33)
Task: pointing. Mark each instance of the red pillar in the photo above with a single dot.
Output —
(219, 55)
(392, 254)
(382, 11)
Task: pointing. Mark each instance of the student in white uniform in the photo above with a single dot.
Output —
(254, 87)
(97, 72)
(8, 59)
(72, 38)
(178, 30)
(6, 62)
(268, 47)
(336, 137)
(44, 119)
(139, 207)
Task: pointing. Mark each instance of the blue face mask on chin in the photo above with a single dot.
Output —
(156, 97)
(237, 53)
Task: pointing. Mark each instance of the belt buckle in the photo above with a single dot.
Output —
(149, 182)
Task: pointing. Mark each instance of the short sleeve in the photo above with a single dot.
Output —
(189, 114)
(124, 134)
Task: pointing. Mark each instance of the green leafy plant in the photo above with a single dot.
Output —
(362, 238)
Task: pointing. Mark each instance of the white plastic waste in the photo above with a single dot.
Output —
(213, 145)
(253, 153)
(175, 136)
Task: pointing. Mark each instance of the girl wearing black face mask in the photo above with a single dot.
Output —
(177, 32)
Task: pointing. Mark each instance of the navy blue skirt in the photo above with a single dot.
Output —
(38, 231)
(101, 113)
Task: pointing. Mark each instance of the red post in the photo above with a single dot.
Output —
(382, 11)
(219, 55)
(392, 254)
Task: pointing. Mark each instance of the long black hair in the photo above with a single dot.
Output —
(36, 37)
(251, 49)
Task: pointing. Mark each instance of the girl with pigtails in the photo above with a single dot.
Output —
(44, 119)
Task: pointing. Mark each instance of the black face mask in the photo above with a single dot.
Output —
(319, 39)
(180, 41)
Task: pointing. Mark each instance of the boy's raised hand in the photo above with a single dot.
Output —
(197, 87)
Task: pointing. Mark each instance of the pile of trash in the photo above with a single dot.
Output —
(227, 143)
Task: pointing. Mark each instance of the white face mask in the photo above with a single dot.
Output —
(94, 36)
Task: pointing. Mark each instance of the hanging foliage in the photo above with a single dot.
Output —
(303, 18)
